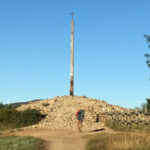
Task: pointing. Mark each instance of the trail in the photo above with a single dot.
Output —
(59, 139)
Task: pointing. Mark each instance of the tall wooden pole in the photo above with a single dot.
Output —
(72, 57)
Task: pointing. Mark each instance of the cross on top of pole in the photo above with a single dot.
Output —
(72, 14)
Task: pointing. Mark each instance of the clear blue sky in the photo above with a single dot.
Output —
(109, 50)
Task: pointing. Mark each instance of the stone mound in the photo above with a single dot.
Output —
(61, 111)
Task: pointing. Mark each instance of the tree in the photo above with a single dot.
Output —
(143, 106)
(147, 55)
(1, 105)
(148, 104)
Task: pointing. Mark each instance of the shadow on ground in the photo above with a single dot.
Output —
(97, 130)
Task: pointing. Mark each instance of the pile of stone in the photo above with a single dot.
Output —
(61, 111)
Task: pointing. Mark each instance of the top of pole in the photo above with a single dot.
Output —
(72, 14)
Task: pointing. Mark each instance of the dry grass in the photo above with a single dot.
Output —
(115, 125)
(4, 127)
(118, 141)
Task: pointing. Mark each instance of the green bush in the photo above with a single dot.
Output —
(11, 118)
(45, 104)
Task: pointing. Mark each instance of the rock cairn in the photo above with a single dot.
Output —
(61, 112)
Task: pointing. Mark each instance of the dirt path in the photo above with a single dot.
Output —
(60, 139)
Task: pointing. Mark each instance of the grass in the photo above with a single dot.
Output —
(118, 141)
(116, 126)
(4, 127)
(19, 143)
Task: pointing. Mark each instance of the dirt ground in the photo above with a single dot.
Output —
(60, 139)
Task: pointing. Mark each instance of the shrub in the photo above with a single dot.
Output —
(27, 117)
(45, 104)
(11, 118)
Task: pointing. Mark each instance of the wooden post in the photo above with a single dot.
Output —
(72, 58)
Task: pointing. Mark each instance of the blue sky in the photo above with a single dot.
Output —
(109, 50)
